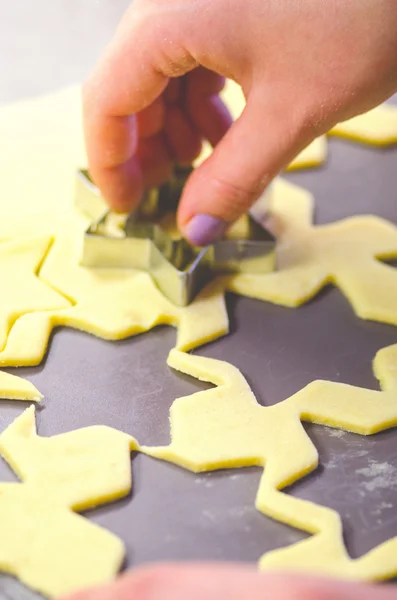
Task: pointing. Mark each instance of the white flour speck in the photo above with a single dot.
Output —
(338, 433)
(379, 475)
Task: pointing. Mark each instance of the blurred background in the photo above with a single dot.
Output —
(47, 44)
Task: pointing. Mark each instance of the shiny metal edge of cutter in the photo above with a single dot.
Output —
(179, 270)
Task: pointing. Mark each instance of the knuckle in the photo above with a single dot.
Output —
(164, 35)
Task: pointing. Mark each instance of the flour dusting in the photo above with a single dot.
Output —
(380, 476)
(338, 433)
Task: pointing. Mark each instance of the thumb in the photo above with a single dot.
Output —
(264, 139)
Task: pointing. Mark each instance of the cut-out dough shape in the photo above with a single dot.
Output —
(343, 253)
(16, 388)
(225, 427)
(313, 155)
(61, 474)
(378, 127)
(22, 291)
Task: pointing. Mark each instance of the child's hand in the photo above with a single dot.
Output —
(303, 65)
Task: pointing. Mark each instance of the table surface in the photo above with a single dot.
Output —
(173, 514)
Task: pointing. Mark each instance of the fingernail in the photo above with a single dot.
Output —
(205, 229)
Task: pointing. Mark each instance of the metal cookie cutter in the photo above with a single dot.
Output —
(179, 270)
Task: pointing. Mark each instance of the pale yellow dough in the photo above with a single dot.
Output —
(16, 388)
(37, 164)
(378, 127)
(343, 253)
(225, 427)
(64, 473)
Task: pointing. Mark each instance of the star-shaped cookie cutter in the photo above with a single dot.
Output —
(179, 270)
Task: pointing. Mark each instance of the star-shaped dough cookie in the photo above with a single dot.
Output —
(225, 427)
(22, 291)
(49, 548)
(345, 253)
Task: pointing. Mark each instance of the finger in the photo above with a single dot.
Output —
(204, 82)
(269, 133)
(203, 105)
(182, 138)
(210, 116)
(212, 582)
(133, 73)
(155, 160)
(124, 185)
(173, 90)
(150, 120)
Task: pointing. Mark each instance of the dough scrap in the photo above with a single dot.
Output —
(343, 253)
(16, 388)
(378, 127)
(313, 155)
(64, 473)
(22, 291)
(225, 427)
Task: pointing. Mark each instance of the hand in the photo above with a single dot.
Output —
(303, 67)
(231, 582)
